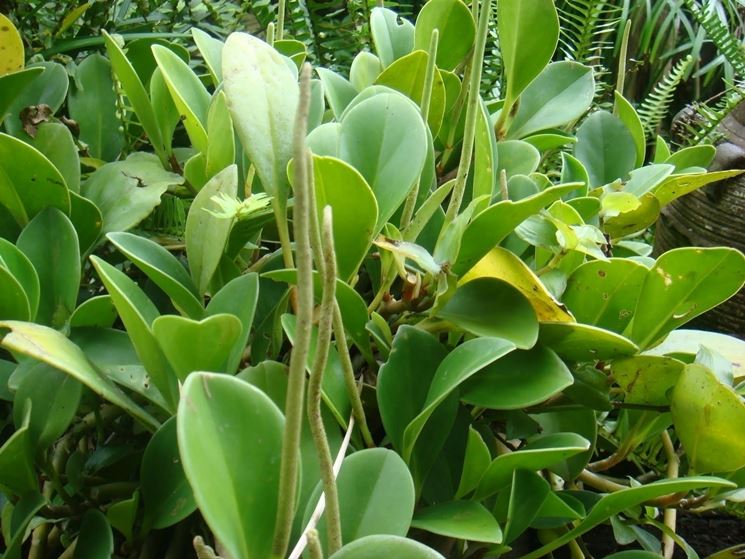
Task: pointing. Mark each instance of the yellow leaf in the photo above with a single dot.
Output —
(11, 47)
(500, 263)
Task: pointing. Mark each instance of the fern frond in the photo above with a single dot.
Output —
(492, 72)
(585, 26)
(655, 107)
(727, 44)
(703, 125)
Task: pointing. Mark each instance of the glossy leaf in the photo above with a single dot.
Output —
(492, 307)
(704, 411)
(491, 226)
(189, 95)
(53, 348)
(262, 95)
(127, 191)
(605, 147)
(374, 547)
(582, 342)
(95, 540)
(518, 380)
(55, 141)
(541, 452)
(51, 245)
(355, 211)
(207, 234)
(21, 516)
(684, 283)
(525, 52)
(628, 115)
(29, 182)
(462, 520)
(384, 138)
(54, 398)
(165, 490)
(191, 345)
(221, 148)
(647, 379)
(93, 105)
(163, 269)
(502, 264)
(376, 495)
(579, 420)
(604, 293)
(337, 90)
(13, 84)
(529, 491)
(49, 88)
(456, 368)
(14, 303)
(232, 470)
(136, 94)
(137, 313)
(454, 21)
(559, 95)
(680, 185)
(17, 472)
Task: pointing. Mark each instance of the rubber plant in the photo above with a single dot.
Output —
(400, 319)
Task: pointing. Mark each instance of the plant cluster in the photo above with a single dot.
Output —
(254, 309)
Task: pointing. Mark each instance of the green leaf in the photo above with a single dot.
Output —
(684, 283)
(647, 379)
(518, 380)
(93, 105)
(262, 95)
(681, 343)
(54, 397)
(456, 368)
(211, 50)
(578, 420)
(628, 115)
(51, 245)
(374, 547)
(337, 90)
(492, 307)
(238, 297)
(95, 540)
(605, 147)
(541, 452)
(525, 51)
(559, 95)
(384, 138)
(163, 269)
(13, 84)
(138, 312)
(403, 381)
(221, 148)
(486, 158)
(167, 115)
(393, 36)
(87, 220)
(22, 165)
(645, 179)
(17, 471)
(407, 75)
(137, 96)
(376, 496)
(462, 520)
(454, 21)
(14, 303)
(604, 293)
(355, 211)
(191, 345)
(704, 412)
(22, 515)
(692, 156)
(55, 141)
(516, 157)
(123, 514)
(633, 554)
(98, 311)
(475, 463)
(127, 191)
(365, 68)
(165, 490)
(619, 501)
(491, 226)
(232, 470)
(582, 342)
(634, 221)
(53, 348)
(207, 234)
(189, 95)
(680, 185)
(528, 493)
(49, 88)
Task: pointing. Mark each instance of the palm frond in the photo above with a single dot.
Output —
(654, 109)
